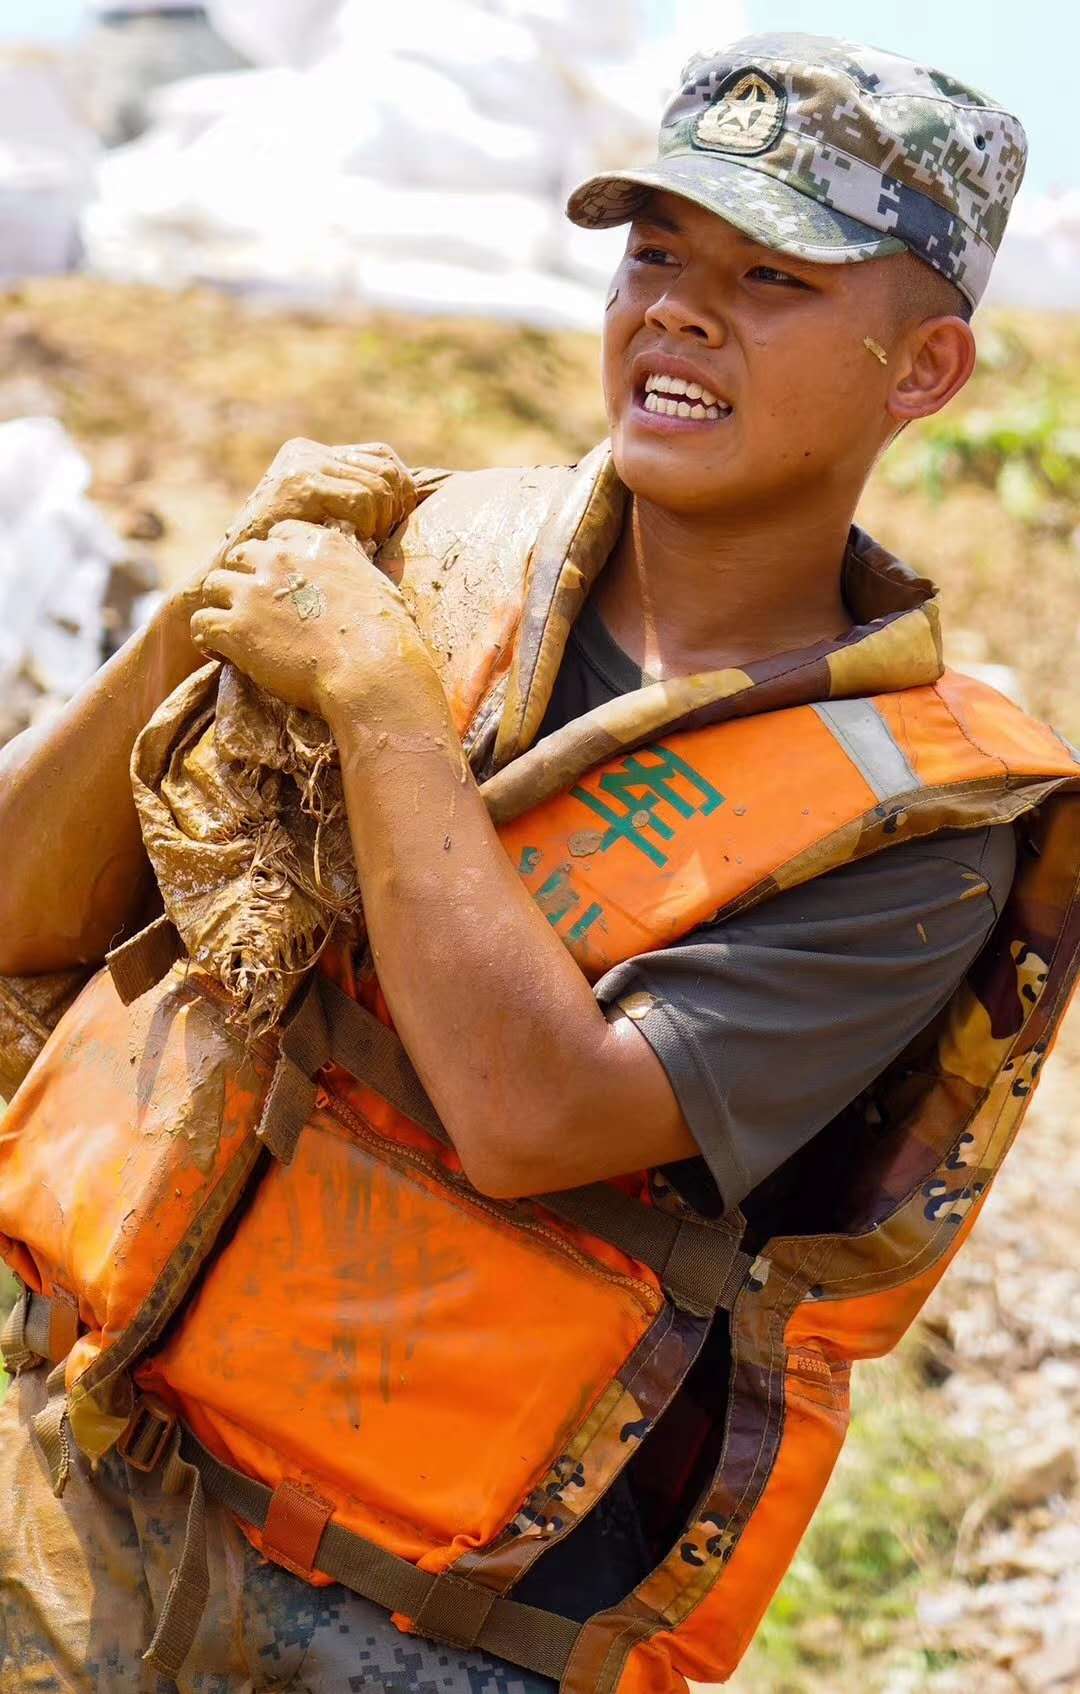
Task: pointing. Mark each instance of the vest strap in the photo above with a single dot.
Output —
(295, 1520)
(446, 1607)
(39, 1327)
(375, 1055)
(138, 965)
(699, 1264)
(189, 1582)
(15, 1349)
(305, 1048)
(49, 1429)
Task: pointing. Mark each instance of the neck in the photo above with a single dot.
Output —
(682, 593)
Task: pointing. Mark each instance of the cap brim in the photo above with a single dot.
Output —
(762, 207)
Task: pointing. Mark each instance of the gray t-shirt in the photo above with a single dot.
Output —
(843, 971)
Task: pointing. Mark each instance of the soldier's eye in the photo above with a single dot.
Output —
(651, 255)
(769, 273)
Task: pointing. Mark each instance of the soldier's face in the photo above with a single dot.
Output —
(735, 376)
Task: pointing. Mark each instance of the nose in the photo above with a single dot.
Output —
(679, 311)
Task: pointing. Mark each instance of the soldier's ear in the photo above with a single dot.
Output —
(933, 363)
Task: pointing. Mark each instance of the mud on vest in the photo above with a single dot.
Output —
(257, 1266)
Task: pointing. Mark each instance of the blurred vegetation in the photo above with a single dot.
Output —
(1025, 447)
(7, 1297)
(886, 1530)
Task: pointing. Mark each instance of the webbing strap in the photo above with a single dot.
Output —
(189, 1581)
(50, 1325)
(49, 1430)
(15, 1349)
(446, 1607)
(304, 1050)
(375, 1055)
(138, 965)
(698, 1263)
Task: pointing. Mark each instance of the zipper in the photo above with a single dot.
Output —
(396, 1153)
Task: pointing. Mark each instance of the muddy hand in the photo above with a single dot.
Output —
(365, 486)
(307, 616)
(366, 489)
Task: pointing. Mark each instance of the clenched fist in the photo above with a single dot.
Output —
(308, 616)
(366, 486)
(365, 489)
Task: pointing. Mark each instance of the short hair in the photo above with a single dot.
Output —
(922, 292)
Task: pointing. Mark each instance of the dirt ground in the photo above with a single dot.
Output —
(947, 1554)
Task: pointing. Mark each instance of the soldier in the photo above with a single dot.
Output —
(800, 271)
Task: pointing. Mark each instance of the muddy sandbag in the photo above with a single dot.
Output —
(239, 795)
(243, 817)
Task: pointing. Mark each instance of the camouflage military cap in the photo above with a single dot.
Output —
(834, 152)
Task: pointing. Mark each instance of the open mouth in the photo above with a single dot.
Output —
(674, 397)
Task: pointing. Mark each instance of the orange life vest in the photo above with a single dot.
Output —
(260, 1267)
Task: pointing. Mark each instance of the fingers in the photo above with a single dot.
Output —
(210, 634)
(242, 559)
(371, 454)
(219, 586)
(393, 480)
(364, 485)
(305, 543)
(319, 497)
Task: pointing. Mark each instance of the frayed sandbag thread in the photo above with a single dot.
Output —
(243, 816)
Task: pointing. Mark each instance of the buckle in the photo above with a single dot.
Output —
(147, 1434)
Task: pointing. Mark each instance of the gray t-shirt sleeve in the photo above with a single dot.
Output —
(770, 1024)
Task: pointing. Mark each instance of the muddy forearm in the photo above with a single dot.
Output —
(536, 1089)
(75, 872)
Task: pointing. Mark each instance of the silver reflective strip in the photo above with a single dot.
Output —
(869, 743)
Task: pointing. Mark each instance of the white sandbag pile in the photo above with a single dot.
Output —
(416, 155)
(47, 161)
(70, 592)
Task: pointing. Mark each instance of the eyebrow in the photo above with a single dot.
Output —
(660, 220)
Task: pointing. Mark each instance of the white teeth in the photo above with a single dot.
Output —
(657, 383)
(655, 402)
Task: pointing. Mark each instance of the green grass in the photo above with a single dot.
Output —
(7, 1296)
(1018, 434)
(886, 1530)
